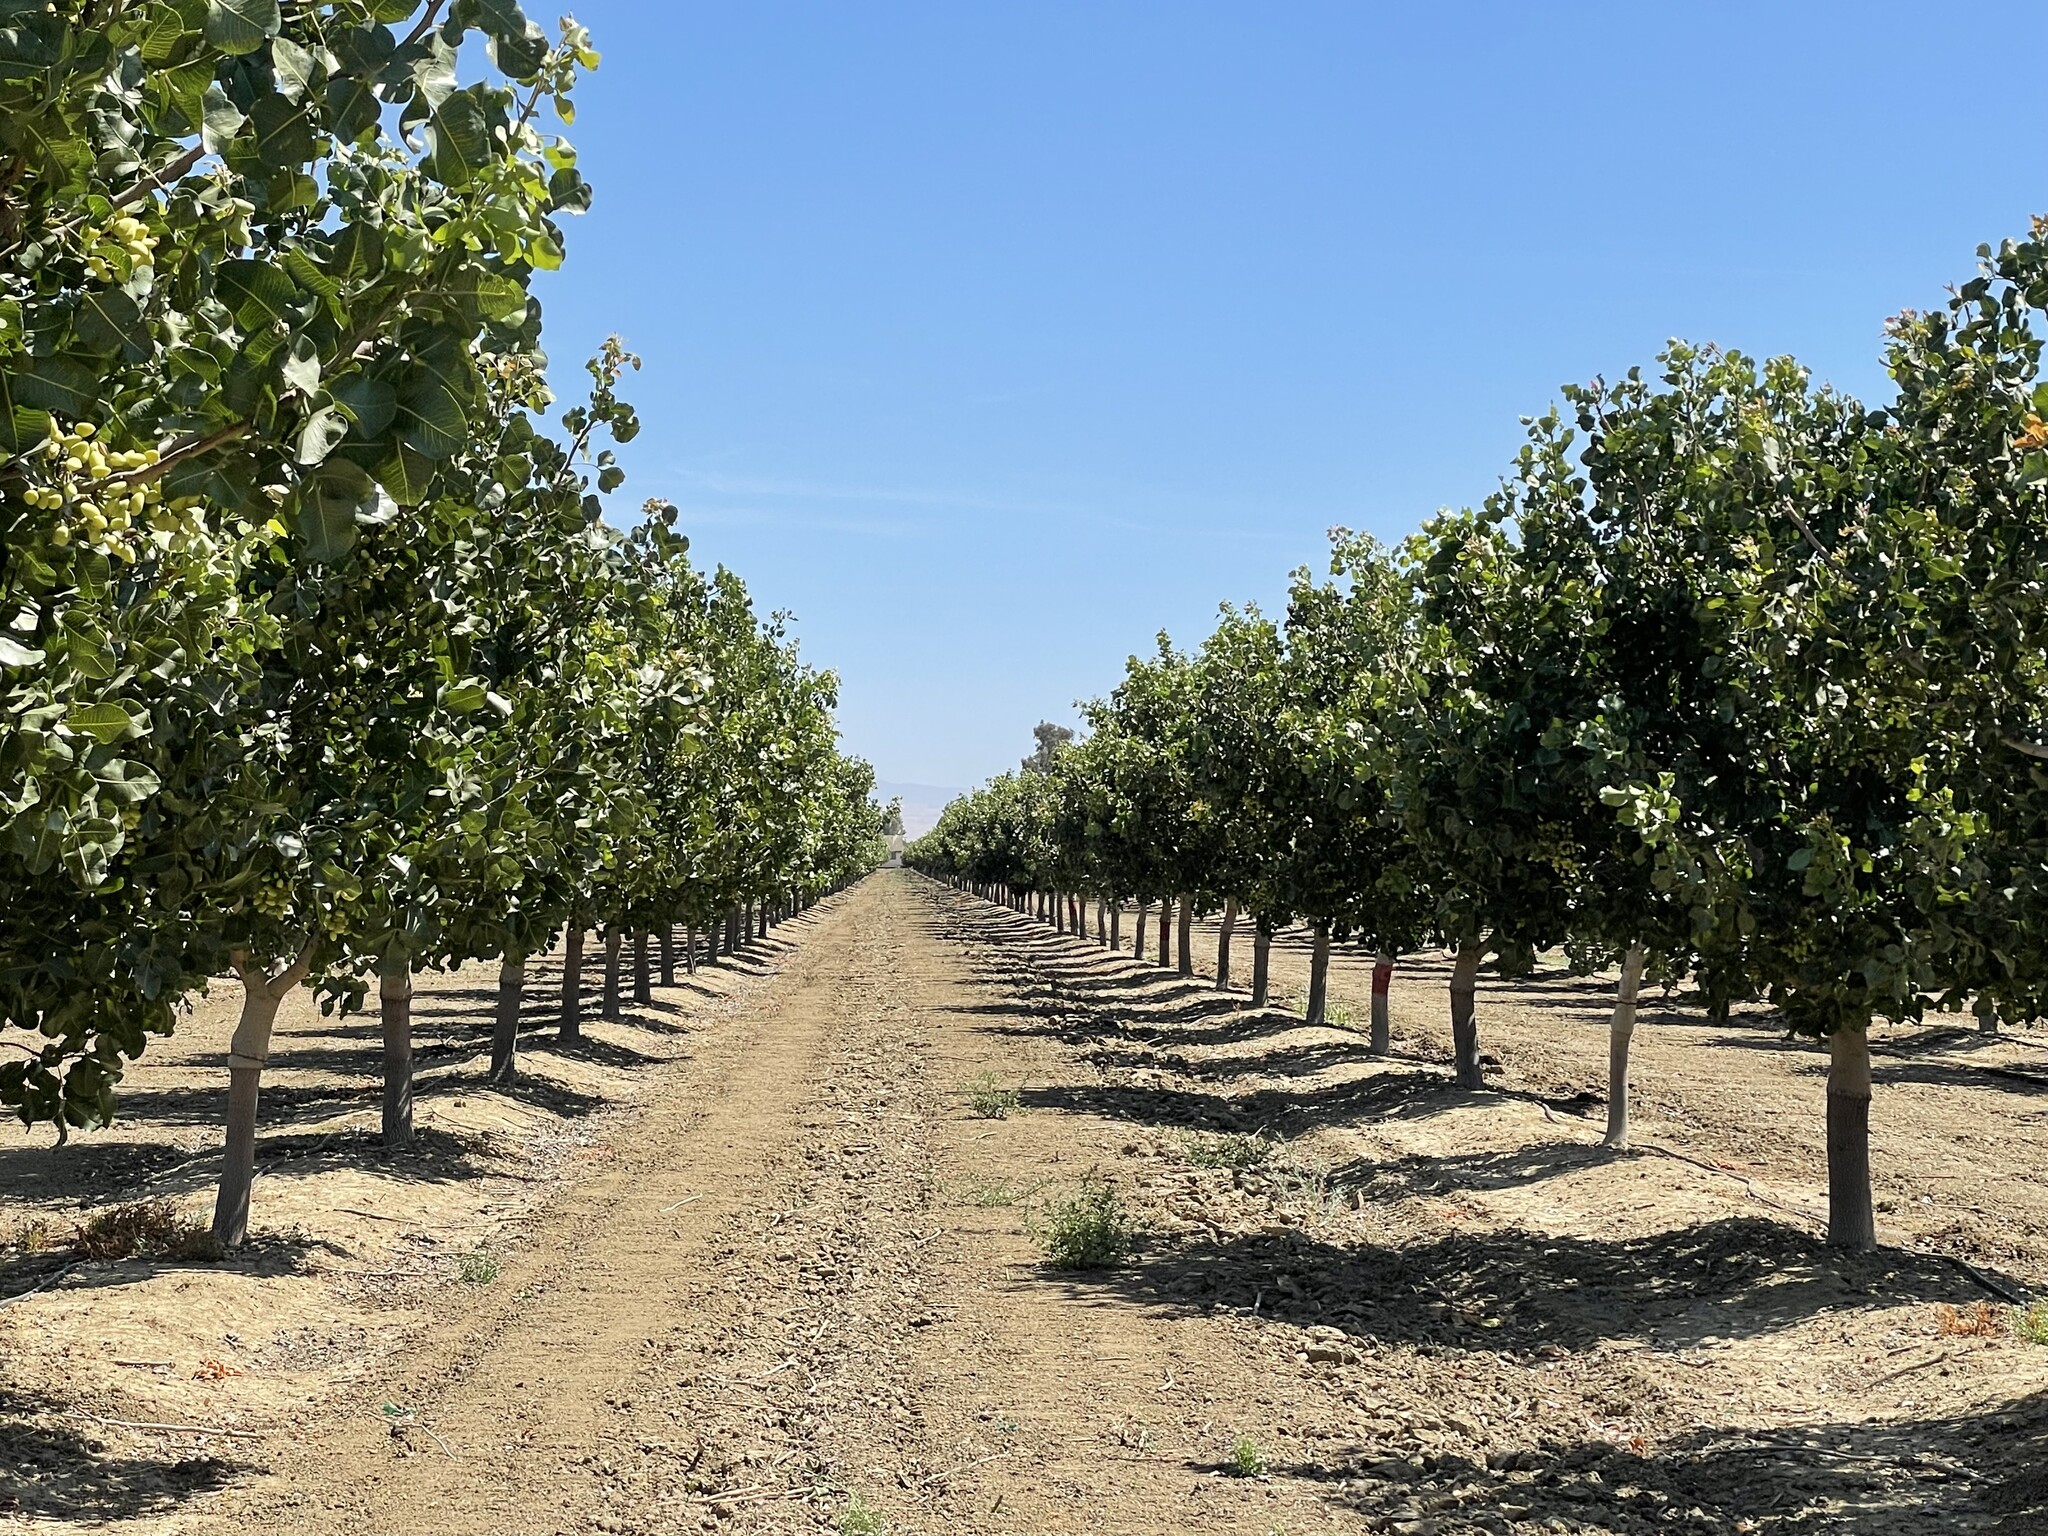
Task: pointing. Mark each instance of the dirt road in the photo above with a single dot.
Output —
(801, 1290)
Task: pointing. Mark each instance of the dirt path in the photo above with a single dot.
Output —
(801, 1291)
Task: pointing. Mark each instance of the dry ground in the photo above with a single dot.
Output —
(778, 1276)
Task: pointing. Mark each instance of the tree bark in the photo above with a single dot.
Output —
(1165, 932)
(1319, 975)
(1262, 960)
(1851, 1221)
(1143, 909)
(1186, 965)
(1621, 1030)
(1464, 1027)
(1223, 943)
(614, 943)
(1116, 925)
(1382, 1026)
(643, 974)
(505, 1028)
(690, 949)
(668, 954)
(572, 982)
(394, 1005)
(248, 1054)
(1101, 921)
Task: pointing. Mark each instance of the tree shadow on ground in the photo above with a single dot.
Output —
(435, 1156)
(266, 1256)
(544, 1093)
(1283, 1112)
(83, 1168)
(283, 1103)
(1985, 1471)
(607, 1053)
(1417, 1174)
(1515, 1290)
(57, 1468)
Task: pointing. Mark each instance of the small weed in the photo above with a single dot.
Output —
(35, 1234)
(1981, 1321)
(147, 1229)
(1337, 1016)
(857, 1519)
(988, 1099)
(990, 1193)
(1246, 1459)
(2031, 1323)
(1231, 1149)
(480, 1267)
(1088, 1231)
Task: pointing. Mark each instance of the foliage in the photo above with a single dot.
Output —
(316, 650)
(988, 1099)
(1088, 1230)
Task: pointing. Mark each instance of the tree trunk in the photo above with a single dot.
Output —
(761, 911)
(505, 1028)
(394, 1003)
(1165, 932)
(1116, 925)
(1101, 921)
(1143, 909)
(248, 1053)
(1621, 1030)
(614, 943)
(1223, 943)
(690, 949)
(1319, 975)
(1464, 1027)
(643, 974)
(1851, 1222)
(668, 954)
(1262, 960)
(1382, 1025)
(1187, 935)
(572, 983)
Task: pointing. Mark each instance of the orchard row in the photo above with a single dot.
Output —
(318, 660)
(1735, 681)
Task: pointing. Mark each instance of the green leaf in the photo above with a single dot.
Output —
(301, 366)
(110, 321)
(291, 66)
(321, 435)
(220, 120)
(241, 26)
(257, 292)
(331, 503)
(14, 654)
(106, 723)
(55, 384)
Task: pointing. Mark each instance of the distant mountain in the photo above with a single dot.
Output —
(921, 803)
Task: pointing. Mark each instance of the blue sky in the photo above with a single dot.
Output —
(993, 338)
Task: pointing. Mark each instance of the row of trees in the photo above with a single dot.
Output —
(318, 660)
(1734, 680)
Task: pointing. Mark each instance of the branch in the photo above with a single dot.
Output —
(2030, 748)
(1805, 532)
(156, 180)
(426, 25)
(183, 451)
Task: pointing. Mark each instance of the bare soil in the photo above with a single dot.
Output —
(772, 1273)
